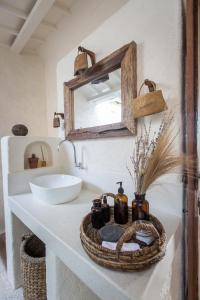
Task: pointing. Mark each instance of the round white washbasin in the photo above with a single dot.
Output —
(56, 188)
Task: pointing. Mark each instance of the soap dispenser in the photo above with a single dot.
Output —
(121, 206)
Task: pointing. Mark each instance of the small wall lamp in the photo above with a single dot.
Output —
(56, 119)
(149, 103)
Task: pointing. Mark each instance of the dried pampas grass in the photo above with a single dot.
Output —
(154, 156)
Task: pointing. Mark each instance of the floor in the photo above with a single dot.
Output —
(6, 292)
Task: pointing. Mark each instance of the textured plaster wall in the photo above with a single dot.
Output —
(85, 17)
(22, 98)
(155, 25)
(73, 285)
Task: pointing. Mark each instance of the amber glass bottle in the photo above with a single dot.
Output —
(140, 208)
(97, 216)
(121, 206)
(106, 209)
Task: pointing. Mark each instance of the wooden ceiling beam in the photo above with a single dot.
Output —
(15, 32)
(35, 17)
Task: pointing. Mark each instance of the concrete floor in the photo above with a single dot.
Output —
(6, 292)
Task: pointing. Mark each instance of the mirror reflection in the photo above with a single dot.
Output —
(98, 102)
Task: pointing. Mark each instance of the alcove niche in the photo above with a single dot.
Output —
(37, 148)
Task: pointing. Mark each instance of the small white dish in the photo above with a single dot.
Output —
(56, 188)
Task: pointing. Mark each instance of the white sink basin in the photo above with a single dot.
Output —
(56, 188)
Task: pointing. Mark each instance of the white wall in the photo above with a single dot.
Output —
(155, 26)
(86, 16)
(22, 98)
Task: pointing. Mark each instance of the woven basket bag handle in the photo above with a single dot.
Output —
(108, 195)
(132, 230)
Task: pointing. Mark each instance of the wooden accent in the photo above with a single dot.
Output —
(81, 60)
(90, 53)
(125, 58)
(110, 63)
(111, 130)
(190, 108)
(69, 110)
(128, 87)
(80, 64)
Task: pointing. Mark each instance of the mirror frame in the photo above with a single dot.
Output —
(124, 58)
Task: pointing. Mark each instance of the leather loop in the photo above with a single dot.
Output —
(130, 231)
(151, 86)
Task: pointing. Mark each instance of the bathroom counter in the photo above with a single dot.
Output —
(58, 226)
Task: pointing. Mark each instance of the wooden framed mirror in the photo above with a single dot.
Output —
(99, 103)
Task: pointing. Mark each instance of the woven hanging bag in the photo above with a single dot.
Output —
(149, 103)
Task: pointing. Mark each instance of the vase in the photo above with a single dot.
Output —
(140, 208)
(33, 161)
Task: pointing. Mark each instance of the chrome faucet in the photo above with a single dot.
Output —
(77, 165)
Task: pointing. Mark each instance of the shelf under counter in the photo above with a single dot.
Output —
(59, 228)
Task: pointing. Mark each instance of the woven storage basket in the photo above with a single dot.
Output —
(124, 261)
(33, 274)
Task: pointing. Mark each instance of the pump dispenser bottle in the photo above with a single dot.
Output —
(121, 206)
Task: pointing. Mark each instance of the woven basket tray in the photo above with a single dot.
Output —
(124, 261)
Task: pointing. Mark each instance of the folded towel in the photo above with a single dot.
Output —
(125, 247)
(145, 239)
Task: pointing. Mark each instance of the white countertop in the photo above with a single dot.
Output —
(59, 227)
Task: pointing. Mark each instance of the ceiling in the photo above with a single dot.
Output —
(25, 24)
